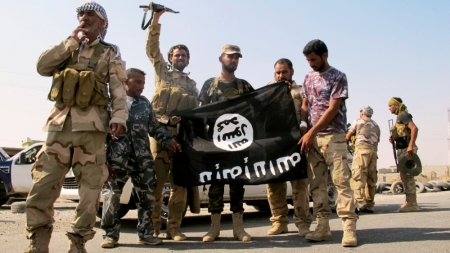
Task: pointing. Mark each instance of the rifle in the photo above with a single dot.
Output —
(154, 7)
(391, 124)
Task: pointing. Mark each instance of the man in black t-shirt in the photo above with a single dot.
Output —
(404, 133)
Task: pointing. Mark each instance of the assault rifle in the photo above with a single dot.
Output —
(154, 7)
(391, 124)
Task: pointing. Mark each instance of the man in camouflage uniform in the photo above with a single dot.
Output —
(276, 192)
(324, 93)
(77, 127)
(366, 134)
(404, 133)
(214, 90)
(129, 157)
(175, 91)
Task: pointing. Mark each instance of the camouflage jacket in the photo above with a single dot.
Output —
(164, 77)
(296, 96)
(367, 132)
(141, 123)
(109, 66)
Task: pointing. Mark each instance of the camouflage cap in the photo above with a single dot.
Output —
(93, 6)
(231, 49)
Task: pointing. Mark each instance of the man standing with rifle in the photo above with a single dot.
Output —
(175, 91)
(404, 134)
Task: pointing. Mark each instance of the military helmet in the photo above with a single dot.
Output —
(93, 6)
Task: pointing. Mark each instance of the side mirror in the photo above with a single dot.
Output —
(22, 158)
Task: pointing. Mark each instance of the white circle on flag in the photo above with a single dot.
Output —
(232, 132)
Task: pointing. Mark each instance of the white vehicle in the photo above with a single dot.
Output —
(15, 172)
(255, 195)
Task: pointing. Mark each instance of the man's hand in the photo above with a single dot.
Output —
(410, 151)
(174, 147)
(156, 16)
(303, 130)
(289, 84)
(117, 130)
(306, 142)
(77, 30)
(176, 119)
(390, 139)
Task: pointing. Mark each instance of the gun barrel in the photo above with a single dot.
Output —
(144, 6)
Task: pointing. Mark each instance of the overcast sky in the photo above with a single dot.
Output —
(386, 48)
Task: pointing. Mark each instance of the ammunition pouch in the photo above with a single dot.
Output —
(82, 88)
(167, 100)
(401, 135)
(402, 142)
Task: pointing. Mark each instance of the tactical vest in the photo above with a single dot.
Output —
(81, 87)
(168, 98)
(401, 134)
(216, 94)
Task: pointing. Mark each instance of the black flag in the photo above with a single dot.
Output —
(249, 139)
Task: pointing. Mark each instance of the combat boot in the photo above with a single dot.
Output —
(278, 228)
(322, 231)
(39, 240)
(77, 242)
(175, 234)
(238, 231)
(410, 205)
(214, 231)
(303, 229)
(349, 237)
(108, 242)
(157, 229)
(150, 241)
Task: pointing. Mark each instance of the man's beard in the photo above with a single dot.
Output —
(179, 65)
(229, 68)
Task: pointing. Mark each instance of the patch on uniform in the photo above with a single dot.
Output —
(232, 132)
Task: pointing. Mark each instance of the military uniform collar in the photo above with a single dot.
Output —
(177, 73)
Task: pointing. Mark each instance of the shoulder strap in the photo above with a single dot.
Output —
(98, 50)
(240, 86)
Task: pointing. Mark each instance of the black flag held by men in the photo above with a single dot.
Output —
(249, 139)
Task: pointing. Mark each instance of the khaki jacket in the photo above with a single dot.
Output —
(164, 77)
(110, 67)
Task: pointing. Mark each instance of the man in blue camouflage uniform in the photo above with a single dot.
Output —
(129, 157)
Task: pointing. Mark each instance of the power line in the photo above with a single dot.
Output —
(22, 86)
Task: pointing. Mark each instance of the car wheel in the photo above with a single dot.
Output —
(420, 187)
(122, 212)
(397, 188)
(332, 196)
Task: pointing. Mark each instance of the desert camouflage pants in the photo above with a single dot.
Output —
(215, 195)
(178, 194)
(125, 165)
(276, 195)
(330, 152)
(84, 151)
(408, 181)
(364, 176)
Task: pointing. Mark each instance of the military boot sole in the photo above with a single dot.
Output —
(350, 244)
(151, 243)
(405, 210)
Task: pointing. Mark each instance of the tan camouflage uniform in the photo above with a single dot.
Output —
(163, 158)
(76, 140)
(276, 192)
(364, 166)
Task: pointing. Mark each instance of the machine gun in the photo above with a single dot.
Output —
(391, 124)
(154, 7)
